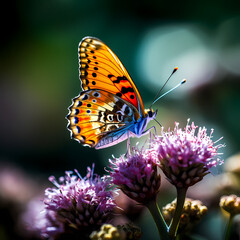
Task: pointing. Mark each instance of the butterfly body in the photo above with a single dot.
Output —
(110, 108)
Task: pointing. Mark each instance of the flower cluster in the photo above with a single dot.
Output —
(136, 175)
(186, 155)
(193, 211)
(77, 207)
(77, 204)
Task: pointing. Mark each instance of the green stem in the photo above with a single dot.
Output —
(229, 227)
(181, 195)
(158, 219)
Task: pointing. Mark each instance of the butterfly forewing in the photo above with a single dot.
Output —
(97, 116)
(101, 69)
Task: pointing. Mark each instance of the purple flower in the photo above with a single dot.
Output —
(77, 205)
(136, 175)
(186, 155)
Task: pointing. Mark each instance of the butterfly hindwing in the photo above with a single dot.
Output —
(101, 69)
(98, 118)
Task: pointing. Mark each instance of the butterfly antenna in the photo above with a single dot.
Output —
(182, 82)
(174, 70)
(158, 122)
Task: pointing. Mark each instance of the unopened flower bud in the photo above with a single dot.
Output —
(107, 232)
(193, 211)
(230, 204)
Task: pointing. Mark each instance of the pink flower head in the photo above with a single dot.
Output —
(136, 175)
(77, 204)
(186, 155)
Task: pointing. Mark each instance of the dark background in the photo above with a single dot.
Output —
(39, 76)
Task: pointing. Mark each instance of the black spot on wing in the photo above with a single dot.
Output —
(76, 120)
(92, 141)
(85, 97)
(78, 129)
(96, 94)
(83, 138)
(126, 90)
(127, 110)
(119, 94)
(119, 79)
(132, 96)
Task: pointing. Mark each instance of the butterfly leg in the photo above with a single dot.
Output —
(150, 133)
(149, 130)
(128, 153)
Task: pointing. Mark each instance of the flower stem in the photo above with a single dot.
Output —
(158, 219)
(181, 195)
(229, 227)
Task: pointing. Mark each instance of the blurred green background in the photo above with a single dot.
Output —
(39, 75)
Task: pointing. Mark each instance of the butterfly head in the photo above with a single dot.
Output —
(150, 113)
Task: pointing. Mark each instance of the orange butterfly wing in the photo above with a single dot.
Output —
(101, 69)
(96, 115)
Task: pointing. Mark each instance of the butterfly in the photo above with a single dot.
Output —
(109, 109)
